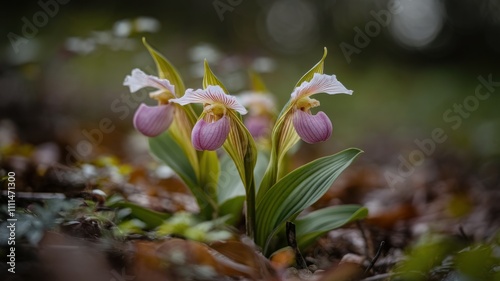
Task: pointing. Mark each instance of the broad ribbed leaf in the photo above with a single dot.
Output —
(260, 166)
(167, 150)
(317, 223)
(151, 218)
(166, 70)
(318, 68)
(297, 191)
(284, 138)
(230, 184)
(210, 79)
(231, 192)
(257, 83)
(209, 172)
(232, 207)
(241, 148)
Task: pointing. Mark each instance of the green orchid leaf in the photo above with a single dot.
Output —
(209, 173)
(210, 79)
(297, 191)
(318, 223)
(284, 138)
(234, 208)
(133, 226)
(166, 149)
(257, 83)
(166, 70)
(151, 218)
(260, 166)
(317, 68)
(241, 148)
(231, 191)
(230, 184)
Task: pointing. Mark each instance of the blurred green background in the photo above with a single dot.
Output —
(409, 62)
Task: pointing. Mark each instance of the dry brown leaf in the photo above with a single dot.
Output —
(283, 258)
(185, 259)
(344, 271)
(241, 253)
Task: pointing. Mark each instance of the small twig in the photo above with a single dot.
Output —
(375, 258)
(292, 242)
(463, 234)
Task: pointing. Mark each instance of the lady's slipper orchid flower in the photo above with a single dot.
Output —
(261, 108)
(314, 128)
(152, 120)
(212, 129)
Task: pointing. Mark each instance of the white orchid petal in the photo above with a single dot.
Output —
(210, 95)
(138, 80)
(320, 83)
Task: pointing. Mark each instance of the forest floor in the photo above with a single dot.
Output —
(440, 223)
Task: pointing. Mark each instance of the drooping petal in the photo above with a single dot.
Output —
(210, 136)
(139, 80)
(153, 120)
(312, 128)
(320, 83)
(210, 95)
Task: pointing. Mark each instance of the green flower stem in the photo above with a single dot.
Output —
(250, 209)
